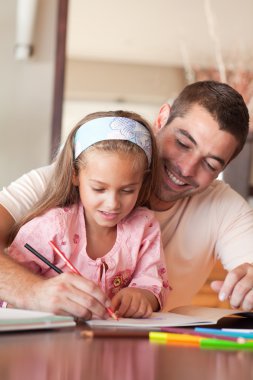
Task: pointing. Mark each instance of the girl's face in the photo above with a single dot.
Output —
(109, 186)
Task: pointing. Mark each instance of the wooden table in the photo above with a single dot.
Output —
(63, 354)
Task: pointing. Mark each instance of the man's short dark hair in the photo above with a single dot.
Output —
(222, 101)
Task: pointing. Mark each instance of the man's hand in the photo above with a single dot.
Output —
(134, 302)
(237, 287)
(68, 294)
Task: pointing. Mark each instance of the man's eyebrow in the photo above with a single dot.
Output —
(186, 134)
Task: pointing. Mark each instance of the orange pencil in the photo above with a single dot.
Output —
(75, 270)
(64, 258)
(114, 333)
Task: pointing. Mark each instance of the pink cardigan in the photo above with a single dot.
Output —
(136, 259)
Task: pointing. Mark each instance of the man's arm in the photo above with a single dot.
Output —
(20, 196)
(64, 294)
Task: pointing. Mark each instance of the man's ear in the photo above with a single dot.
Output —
(162, 117)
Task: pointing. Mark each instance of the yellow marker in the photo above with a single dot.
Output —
(170, 337)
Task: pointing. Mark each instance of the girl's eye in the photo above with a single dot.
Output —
(98, 190)
(127, 191)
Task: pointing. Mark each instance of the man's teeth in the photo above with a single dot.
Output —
(174, 179)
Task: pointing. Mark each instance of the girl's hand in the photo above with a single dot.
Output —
(134, 302)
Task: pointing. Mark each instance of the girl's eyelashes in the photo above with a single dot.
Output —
(126, 191)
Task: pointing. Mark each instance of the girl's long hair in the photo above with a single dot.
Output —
(61, 192)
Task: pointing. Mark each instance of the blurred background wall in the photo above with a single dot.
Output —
(129, 55)
(26, 92)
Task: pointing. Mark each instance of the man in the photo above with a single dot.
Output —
(202, 219)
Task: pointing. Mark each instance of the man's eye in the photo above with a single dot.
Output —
(181, 144)
(210, 167)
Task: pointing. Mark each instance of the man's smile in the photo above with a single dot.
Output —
(175, 180)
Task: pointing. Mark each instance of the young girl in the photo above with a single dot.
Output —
(91, 211)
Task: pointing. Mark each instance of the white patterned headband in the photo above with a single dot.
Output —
(113, 128)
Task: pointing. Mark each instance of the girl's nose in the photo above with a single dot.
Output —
(113, 201)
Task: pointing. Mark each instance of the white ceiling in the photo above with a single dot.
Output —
(162, 32)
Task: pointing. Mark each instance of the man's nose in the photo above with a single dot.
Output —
(189, 166)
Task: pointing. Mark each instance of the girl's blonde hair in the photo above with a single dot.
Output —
(61, 192)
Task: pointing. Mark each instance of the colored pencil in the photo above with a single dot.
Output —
(117, 333)
(222, 333)
(64, 258)
(42, 258)
(75, 270)
(178, 330)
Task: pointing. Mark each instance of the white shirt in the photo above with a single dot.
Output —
(215, 224)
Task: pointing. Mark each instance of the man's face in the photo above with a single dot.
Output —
(193, 151)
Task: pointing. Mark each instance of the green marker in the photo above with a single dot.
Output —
(218, 344)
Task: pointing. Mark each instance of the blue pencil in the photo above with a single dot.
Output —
(179, 330)
(234, 334)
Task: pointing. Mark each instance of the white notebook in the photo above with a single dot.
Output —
(181, 316)
(18, 319)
